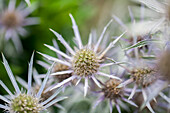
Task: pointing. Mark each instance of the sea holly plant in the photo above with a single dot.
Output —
(85, 61)
(26, 101)
(132, 78)
(142, 74)
(114, 95)
(162, 83)
(13, 21)
(37, 85)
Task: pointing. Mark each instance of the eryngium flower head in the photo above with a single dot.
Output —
(13, 20)
(111, 91)
(143, 76)
(26, 102)
(114, 94)
(84, 61)
(46, 93)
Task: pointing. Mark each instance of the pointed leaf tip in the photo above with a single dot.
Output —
(50, 29)
(70, 15)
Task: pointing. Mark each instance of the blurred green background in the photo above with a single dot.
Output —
(89, 14)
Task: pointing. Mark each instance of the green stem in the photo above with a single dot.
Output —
(2, 41)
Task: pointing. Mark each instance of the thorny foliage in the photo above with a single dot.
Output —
(139, 76)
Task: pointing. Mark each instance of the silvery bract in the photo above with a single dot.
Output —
(26, 101)
(13, 21)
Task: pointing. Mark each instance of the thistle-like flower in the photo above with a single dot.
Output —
(84, 62)
(162, 83)
(26, 102)
(37, 85)
(114, 95)
(143, 76)
(13, 20)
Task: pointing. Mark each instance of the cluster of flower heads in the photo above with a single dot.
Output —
(138, 79)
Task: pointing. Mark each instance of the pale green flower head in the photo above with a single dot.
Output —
(26, 101)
